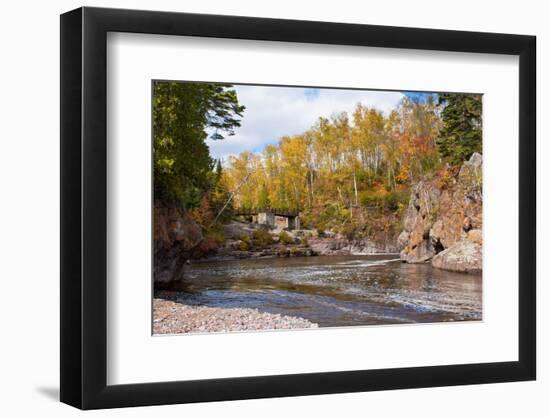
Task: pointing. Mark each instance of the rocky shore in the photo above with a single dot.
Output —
(299, 243)
(340, 245)
(441, 225)
(444, 221)
(170, 317)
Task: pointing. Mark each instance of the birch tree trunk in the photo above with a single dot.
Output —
(243, 182)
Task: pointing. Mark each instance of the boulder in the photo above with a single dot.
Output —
(463, 256)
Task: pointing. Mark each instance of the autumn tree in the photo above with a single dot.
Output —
(420, 125)
(343, 162)
(263, 199)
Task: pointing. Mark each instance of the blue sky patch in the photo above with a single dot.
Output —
(420, 97)
(311, 93)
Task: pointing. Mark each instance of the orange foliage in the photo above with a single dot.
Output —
(203, 214)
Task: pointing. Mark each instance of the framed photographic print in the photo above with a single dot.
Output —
(256, 208)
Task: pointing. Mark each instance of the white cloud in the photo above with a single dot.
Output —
(272, 112)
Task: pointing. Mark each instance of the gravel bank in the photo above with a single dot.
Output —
(170, 317)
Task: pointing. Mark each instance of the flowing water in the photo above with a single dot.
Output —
(335, 290)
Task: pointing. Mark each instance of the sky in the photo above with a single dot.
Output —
(273, 112)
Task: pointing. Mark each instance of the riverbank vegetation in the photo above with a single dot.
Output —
(349, 173)
(349, 167)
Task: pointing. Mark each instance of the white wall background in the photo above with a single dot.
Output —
(29, 213)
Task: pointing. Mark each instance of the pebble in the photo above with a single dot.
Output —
(171, 317)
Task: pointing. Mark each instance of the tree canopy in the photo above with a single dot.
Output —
(461, 133)
(348, 161)
(184, 115)
(343, 162)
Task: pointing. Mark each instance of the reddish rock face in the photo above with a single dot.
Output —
(437, 219)
(418, 221)
(175, 235)
(169, 226)
(449, 227)
(476, 236)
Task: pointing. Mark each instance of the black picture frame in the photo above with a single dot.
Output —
(84, 207)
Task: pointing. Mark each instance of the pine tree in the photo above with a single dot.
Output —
(183, 114)
(461, 134)
(219, 195)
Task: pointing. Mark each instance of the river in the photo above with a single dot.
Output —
(335, 291)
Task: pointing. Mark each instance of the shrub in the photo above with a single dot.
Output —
(446, 176)
(244, 243)
(261, 238)
(213, 239)
(349, 230)
(388, 200)
(283, 252)
(206, 247)
(244, 246)
(285, 238)
(216, 234)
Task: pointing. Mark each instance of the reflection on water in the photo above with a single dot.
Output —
(336, 290)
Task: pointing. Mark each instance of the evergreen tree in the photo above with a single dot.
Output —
(461, 134)
(183, 113)
(220, 201)
(218, 171)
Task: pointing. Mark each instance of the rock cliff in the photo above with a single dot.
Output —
(175, 237)
(443, 221)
